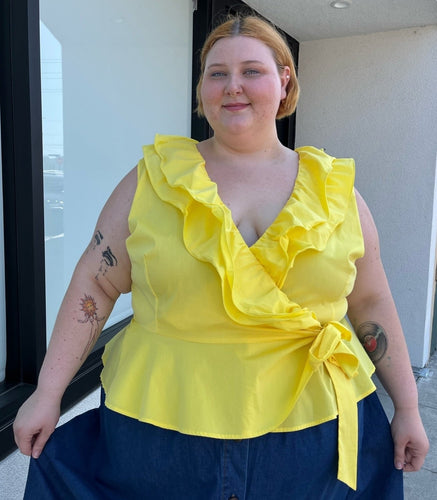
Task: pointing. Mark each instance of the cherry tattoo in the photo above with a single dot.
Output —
(374, 340)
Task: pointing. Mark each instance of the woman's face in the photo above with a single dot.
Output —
(242, 87)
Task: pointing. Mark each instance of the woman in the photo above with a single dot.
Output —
(239, 376)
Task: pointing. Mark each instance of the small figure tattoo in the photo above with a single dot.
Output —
(109, 257)
(374, 340)
(89, 307)
(98, 237)
(108, 260)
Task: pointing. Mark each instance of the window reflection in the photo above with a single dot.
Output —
(53, 196)
(53, 165)
(53, 140)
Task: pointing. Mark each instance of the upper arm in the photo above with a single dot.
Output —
(371, 283)
(106, 260)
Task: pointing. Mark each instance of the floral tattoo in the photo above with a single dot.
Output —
(374, 340)
(89, 308)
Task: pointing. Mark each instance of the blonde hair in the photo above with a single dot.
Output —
(255, 27)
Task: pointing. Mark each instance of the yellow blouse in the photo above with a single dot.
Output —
(231, 341)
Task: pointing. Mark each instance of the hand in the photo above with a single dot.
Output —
(35, 422)
(410, 440)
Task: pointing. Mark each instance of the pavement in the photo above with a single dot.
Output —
(420, 485)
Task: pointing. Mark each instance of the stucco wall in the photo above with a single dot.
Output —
(373, 98)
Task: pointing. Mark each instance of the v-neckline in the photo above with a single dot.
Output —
(317, 204)
(228, 211)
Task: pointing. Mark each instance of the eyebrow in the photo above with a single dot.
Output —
(249, 61)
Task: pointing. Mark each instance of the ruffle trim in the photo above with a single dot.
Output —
(250, 283)
(318, 204)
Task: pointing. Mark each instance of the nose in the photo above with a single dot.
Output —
(233, 86)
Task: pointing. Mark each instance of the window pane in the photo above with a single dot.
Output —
(2, 287)
(113, 74)
(53, 165)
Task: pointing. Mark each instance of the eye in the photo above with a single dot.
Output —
(251, 72)
(217, 74)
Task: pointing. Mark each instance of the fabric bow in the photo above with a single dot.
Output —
(328, 349)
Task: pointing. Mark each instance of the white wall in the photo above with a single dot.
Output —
(373, 98)
(126, 75)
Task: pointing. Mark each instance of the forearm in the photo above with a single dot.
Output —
(378, 327)
(83, 313)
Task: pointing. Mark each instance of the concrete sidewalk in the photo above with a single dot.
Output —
(420, 485)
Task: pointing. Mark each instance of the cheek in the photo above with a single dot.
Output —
(269, 106)
(209, 93)
(268, 93)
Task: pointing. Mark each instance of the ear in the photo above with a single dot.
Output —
(285, 79)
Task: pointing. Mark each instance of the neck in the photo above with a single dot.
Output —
(240, 148)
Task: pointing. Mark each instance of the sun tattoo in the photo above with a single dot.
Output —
(89, 308)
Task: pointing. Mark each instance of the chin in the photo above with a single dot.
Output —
(237, 127)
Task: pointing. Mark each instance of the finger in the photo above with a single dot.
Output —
(24, 443)
(399, 456)
(409, 468)
(39, 443)
(412, 466)
(414, 463)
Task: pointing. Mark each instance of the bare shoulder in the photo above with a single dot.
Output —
(113, 218)
(370, 279)
(120, 201)
(368, 226)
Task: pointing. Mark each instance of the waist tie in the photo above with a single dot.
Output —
(329, 349)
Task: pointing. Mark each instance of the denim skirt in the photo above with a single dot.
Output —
(104, 455)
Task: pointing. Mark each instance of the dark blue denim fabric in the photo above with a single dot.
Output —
(104, 455)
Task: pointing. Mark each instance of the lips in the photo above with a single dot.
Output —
(236, 106)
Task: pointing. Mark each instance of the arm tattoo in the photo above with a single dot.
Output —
(108, 260)
(89, 308)
(374, 340)
(98, 237)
